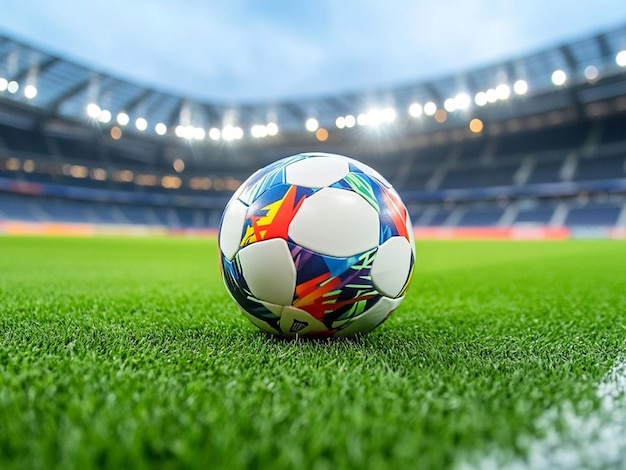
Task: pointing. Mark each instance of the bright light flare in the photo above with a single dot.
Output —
(160, 128)
(123, 119)
(480, 98)
(415, 110)
(215, 134)
(520, 87)
(13, 86)
(104, 116)
(93, 110)
(4, 84)
(30, 91)
(141, 124)
(559, 77)
(272, 129)
(503, 91)
(430, 108)
(620, 58)
(312, 124)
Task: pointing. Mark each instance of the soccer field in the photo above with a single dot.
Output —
(128, 353)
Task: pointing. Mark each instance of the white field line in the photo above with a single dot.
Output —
(574, 441)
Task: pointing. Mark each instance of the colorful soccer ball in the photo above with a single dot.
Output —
(316, 245)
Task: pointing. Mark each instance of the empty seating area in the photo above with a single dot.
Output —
(39, 209)
(444, 184)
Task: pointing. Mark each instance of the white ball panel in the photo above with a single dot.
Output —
(371, 318)
(295, 322)
(232, 228)
(391, 266)
(335, 222)
(316, 172)
(268, 269)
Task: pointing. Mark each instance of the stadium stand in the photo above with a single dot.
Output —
(546, 156)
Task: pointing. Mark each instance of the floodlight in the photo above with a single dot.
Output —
(559, 77)
(312, 124)
(93, 110)
(520, 87)
(30, 91)
(160, 128)
(415, 110)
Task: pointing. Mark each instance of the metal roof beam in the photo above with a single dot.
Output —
(42, 67)
(73, 91)
(136, 100)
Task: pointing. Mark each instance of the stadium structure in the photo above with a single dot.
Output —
(532, 147)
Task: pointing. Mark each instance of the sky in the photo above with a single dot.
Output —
(259, 51)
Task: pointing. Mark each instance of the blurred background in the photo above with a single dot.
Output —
(491, 119)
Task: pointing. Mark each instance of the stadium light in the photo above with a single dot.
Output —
(198, 133)
(258, 131)
(104, 116)
(480, 98)
(141, 124)
(350, 121)
(492, 95)
(520, 87)
(160, 128)
(462, 101)
(430, 108)
(591, 73)
(13, 86)
(123, 119)
(272, 129)
(449, 105)
(312, 124)
(503, 92)
(415, 110)
(30, 91)
(4, 84)
(340, 122)
(215, 134)
(362, 119)
(620, 58)
(232, 133)
(93, 110)
(559, 77)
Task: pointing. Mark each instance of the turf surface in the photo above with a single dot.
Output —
(129, 353)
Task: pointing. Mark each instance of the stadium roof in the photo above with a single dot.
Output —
(56, 87)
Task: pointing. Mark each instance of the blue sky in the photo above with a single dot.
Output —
(246, 50)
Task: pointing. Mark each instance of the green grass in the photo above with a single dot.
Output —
(129, 353)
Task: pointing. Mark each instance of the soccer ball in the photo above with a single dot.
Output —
(316, 245)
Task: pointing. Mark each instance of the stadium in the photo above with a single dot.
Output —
(120, 347)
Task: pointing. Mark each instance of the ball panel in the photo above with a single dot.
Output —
(269, 271)
(295, 322)
(372, 318)
(361, 184)
(231, 228)
(333, 289)
(393, 215)
(264, 179)
(335, 222)
(316, 172)
(240, 292)
(262, 325)
(369, 171)
(271, 213)
(392, 266)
